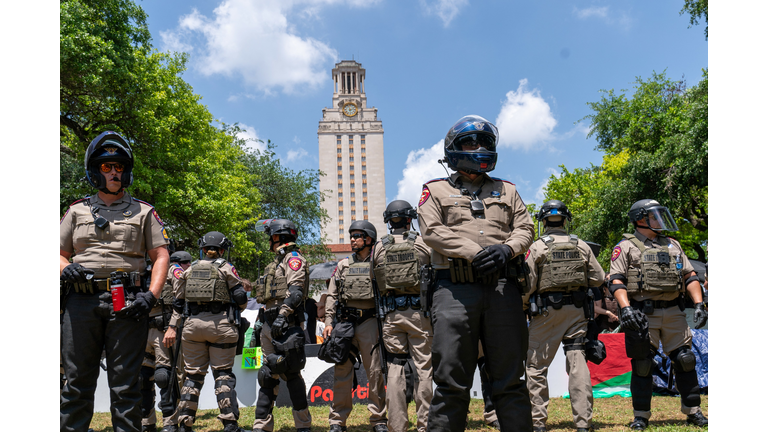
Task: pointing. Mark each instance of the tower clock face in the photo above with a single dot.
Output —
(350, 109)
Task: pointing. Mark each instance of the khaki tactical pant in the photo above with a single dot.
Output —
(162, 357)
(407, 332)
(546, 333)
(301, 419)
(365, 339)
(199, 332)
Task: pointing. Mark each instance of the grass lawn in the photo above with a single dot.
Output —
(611, 414)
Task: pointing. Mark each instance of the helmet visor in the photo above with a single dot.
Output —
(659, 218)
(475, 142)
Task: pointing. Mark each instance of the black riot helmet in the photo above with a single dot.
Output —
(181, 256)
(366, 227)
(109, 146)
(214, 239)
(399, 209)
(282, 227)
(477, 132)
(553, 208)
(657, 217)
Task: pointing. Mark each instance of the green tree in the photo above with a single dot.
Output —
(696, 9)
(194, 170)
(656, 145)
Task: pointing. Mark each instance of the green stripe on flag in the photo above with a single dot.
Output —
(616, 386)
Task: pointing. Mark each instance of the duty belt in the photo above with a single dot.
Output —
(559, 298)
(270, 315)
(157, 322)
(92, 286)
(445, 274)
(213, 307)
(647, 306)
(401, 302)
(354, 315)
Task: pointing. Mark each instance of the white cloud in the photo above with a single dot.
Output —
(256, 42)
(296, 154)
(420, 167)
(251, 136)
(446, 10)
(601, 12)
(525, 120)
(544, 183)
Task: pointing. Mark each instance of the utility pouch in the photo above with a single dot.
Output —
(578, 298)
(555, 300)
(461, 271)
(647, 308)
(401, 303)
(518, 271)
(681, 303)
(425, 293)
(415, 302)
(637, 343)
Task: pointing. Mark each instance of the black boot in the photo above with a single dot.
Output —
(639, 423)
(697, 419)
(170, 428)
(148, 428)
(231, 426)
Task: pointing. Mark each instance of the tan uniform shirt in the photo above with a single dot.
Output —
(174, 272)
(227, 272)
(537, 255)
(291, 265)
(401, 235)
(337, 281)
(451, 230)
(626, 255)
(134, 228)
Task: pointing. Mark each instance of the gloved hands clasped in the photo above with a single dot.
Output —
(491, 259)
(633, 319)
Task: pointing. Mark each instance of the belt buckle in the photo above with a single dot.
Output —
(648, 307)
(359, 313)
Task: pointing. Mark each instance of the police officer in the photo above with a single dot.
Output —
(475, 225)
(211, 295)
(398, 257)
(350, 299)
(650, 276)
(158, 358)
(282, 290)
(563, 268)
(107, 236)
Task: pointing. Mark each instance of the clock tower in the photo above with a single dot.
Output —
(351, 141)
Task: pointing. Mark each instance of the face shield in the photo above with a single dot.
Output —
(659, 219)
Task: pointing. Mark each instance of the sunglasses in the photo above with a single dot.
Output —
(475, 141)
(357, 236)
(107, 167)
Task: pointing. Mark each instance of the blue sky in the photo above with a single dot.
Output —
(529, 67)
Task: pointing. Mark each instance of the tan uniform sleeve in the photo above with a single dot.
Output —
(333, 293)
(66, 229)
(438, 236)
(378, 253)
(535, 254)
(154, 232)
(233, 279)
(523, 233)
(294, 276)
(595, 273)
(620, 258)
(424, 251)
(179, 285)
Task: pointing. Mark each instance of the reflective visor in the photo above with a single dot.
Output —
(472, 142)
(659, 218)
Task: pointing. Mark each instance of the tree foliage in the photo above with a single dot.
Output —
(696, 9)
(656, 145)
(194, 170)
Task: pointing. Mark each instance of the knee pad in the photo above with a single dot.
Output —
(298, 392)
(683, 359)
(265, 378)
(162, 377)
(575, 344)
(643, 367)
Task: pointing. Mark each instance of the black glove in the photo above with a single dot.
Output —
(491, 259)
(700, 315)
(278, 327)
(633, 319)
(75, 273)
(239, 295)
(144, 303)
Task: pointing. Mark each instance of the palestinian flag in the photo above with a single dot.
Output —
(611, 377)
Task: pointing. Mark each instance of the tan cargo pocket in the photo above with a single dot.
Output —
(456, 210)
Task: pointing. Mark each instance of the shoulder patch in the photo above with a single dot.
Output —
(234, 271)
(616, 253)
(424, 195)
(177, 272)
(154, 213)
(527, 254)
(294, 264)
(165, 234)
